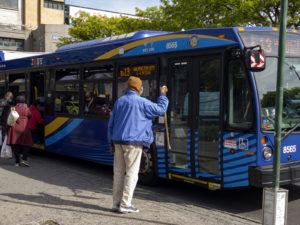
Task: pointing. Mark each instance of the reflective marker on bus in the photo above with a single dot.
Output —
(221, 112)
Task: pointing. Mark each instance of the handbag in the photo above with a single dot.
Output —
(6, 151)
(12, 117)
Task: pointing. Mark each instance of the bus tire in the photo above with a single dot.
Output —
(147, 173)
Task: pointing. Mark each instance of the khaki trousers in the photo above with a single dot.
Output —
(127, 160)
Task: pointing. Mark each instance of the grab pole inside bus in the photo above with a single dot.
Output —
(167, 131)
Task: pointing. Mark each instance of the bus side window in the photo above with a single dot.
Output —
(97, 90)
(67, 91)
(17, 84)
(239, 108)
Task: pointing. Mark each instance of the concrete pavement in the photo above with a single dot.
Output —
(72, 193)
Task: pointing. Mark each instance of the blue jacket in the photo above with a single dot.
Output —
(131, 119)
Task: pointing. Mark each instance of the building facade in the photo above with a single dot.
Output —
(26, 25)
(12, 32)
(38, 12)
(37, 25)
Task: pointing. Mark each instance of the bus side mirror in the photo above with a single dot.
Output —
(255, 58)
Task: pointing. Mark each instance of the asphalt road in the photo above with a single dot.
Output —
(63, 188)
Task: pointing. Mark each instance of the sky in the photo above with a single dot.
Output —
(124, 6)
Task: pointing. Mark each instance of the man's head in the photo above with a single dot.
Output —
(135, 84)
(9, 95)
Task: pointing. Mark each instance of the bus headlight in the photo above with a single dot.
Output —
(267, 152)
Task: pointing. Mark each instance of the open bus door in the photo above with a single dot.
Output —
(37, 94)
(194, 114)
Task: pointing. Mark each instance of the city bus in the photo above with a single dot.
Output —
(220, 118)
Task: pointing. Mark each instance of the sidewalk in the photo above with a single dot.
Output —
(69, 194)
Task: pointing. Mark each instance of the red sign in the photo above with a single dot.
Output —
(230, 143)
(257, 62)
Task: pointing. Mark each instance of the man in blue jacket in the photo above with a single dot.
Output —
(129, 129)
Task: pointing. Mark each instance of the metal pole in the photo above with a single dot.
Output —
(279, 92)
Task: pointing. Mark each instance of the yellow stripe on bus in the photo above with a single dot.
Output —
(210, 185)
(134, 44)
(54, 125)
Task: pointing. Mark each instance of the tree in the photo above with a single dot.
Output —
(186, 14)
(175, 15)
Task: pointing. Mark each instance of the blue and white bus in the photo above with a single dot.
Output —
(221, 112)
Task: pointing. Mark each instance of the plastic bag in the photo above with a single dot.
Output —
(6, 151)
(12, 117)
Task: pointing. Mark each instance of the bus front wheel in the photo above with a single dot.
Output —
(147, 173)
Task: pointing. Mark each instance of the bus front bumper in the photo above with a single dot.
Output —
(263, 176)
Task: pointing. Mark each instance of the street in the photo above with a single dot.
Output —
(71, 191)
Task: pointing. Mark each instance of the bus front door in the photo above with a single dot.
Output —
(194, 114)
(179, 113)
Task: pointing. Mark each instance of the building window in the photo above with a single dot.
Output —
(54, 5)
(11, 44)
(9, 4)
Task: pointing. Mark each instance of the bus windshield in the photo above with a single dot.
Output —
(266, 85)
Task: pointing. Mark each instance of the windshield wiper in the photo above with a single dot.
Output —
(293, 68)
(290, 131)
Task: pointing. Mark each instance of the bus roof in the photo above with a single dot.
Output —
(133, 44)
(111, 40)
(9, 55)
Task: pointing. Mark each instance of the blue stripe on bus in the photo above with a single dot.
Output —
(239, 183)
(161, 162)
(231, 135)
(241, 169)
(63, 132)
(235, 177)
(239, 162)
(236, 155)
(239, 165)
(182, 44)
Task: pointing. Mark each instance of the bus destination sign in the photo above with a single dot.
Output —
(137, 70)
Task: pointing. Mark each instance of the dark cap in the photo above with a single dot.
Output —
(20, 99)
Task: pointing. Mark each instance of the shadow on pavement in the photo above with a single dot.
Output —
(80, 175)
(34, 200)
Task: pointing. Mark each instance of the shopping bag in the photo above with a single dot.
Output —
(12, 117)
(6, 151)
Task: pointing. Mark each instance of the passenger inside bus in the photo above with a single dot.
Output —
(102, 106)
(97, 99)
(89, 103)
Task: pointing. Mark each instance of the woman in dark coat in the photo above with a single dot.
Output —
(19, 135)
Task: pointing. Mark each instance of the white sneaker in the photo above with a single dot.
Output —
(128, 209)
(25, 163)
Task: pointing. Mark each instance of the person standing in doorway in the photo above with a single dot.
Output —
(129, 130)
(36, 123)
(19, 134)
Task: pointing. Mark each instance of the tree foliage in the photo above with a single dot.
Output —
(186, 14)
(174, 15)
